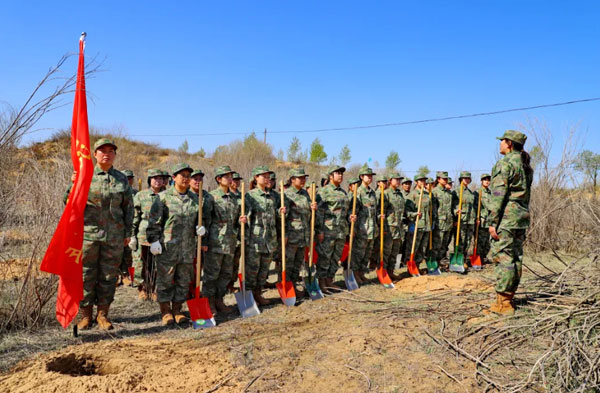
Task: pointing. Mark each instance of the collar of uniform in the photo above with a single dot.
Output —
(362, 185)
(174, 191)
(219, 192)
(98, 170)
(295, 190)
(261, 192)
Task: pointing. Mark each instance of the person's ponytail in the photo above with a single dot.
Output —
(526, 160)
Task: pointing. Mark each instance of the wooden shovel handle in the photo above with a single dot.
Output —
(282, 197)
(199, 247)
(459, 214)
(352, 227)
(412, 249)
(381, 189)
(478, 218)
(312, 226)
(243, 238)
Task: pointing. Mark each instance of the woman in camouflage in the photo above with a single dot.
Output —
(509, 217)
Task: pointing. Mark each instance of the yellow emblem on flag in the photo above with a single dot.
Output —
(74, 252)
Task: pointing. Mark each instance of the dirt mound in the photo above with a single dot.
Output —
(445, 282)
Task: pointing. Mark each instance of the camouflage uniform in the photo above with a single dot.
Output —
(444, 223)
(145, 268)
(366, 227)
(262, 215)
(297, 226)
(424, 227)
(467, 217)
(408, 206)
(483, 240)
(173, 221)
(393, 224)
(107, 223)
(238, 250)
(332, 222)
(509, 214)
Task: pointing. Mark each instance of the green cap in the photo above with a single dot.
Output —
(166, 173)
(406, 180)
(104, 141)
(441, 174)
(197, 172)
(365, 170)
(420, 176)
(485, 175)
(335, 168)
(297, 172)
(353, 180)
(181, 167)
(259, 170)
(223, 170)
(236, 176)
(395, 175)
(514, 136)
(464, 174)
(127, 173)
(381, 178)
(449, 180)
(154, 172)
(429, 181)
(273, 176)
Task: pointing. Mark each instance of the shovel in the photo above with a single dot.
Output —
(349, 279)
(245, 301)
(131, 271)
(411, 265)
(310, 282)
(285, 288)
(432, 265)
(476, 259)
(382, 274)
(457, 260)
(200, 313)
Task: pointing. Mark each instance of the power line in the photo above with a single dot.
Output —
(382, 125)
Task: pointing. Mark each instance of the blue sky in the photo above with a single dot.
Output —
(195, 67)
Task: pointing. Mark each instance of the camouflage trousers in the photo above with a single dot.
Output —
(330, 253)
(441, 242)
(507, 253)
(483, 242)
(362, 248)
(391, 248)
(217, 272)
(173, 275)
(294, 258)
(465, 245)
(126, 261)
(421, 245)
(145, 269)
(101, 261)
(257, 268)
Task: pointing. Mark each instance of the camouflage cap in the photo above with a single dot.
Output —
(449, 180)
(486, 175)
(104, 141)
(335, 168)
(353, 180)
(420, 176)
(223, 170)
(182, 166)
(395, 175)
(365, 170)
(236, 176)
(297, 172)
(406, 180)
(127, 173)
(154, 172)
(441, 174)
(381, 178)
(464, 175)
(197, 172)
(429, 181)
(166, 173)
(259, 170)
(514, 136)
(273, 176)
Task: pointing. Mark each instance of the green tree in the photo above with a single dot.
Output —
(317, 152)
(588, 163)
(183, 148)
(423, 169)
(392, 161)
(280, 155)
(345, 156)
(294, 152)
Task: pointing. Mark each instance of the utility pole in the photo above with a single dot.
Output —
(265, 137)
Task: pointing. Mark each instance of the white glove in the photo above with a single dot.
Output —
(155, 248)
(200, 231)
(133, 244)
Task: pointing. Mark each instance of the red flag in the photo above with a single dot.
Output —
(64, 254)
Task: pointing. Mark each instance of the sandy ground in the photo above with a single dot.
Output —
(347, 342)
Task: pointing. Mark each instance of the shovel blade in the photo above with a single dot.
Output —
(432, 267)
(350, 281)
(200, 313)
(131, 271)
(457, 263)
(476, 262)
(287, 293)
(384, 278)
(246, 304)
(313, 289)
(411, 265)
